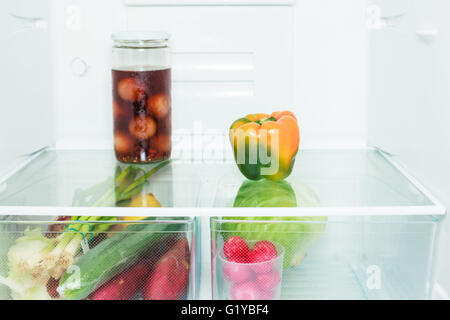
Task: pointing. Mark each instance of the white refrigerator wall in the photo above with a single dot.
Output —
(308, 56)
(227, 61)
(331, 72)
(26, 112)
(409, 98)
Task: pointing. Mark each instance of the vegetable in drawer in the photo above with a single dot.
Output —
(124, 285)
(113, 255)
(37, 259)
(170, 278)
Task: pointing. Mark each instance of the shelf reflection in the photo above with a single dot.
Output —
(129, 186)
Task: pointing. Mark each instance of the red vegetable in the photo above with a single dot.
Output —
(266, 295)
(246, 291)
(235, 248)
(268, 281)
(262, 255)
(236, 272)
(123, 286)
(262, 251)
(52, 285)
(170, 278)
(266, 249)
(243, 259)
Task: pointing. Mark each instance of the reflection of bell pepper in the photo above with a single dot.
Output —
(295, 234)
(265, 146)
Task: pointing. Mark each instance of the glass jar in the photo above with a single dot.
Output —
(142, 108)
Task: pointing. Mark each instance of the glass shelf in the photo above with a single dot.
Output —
(324, 182)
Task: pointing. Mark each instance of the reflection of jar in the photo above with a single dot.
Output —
(141, 96)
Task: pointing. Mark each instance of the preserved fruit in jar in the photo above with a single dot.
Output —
(141, 97)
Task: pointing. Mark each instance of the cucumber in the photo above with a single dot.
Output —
(112, 256)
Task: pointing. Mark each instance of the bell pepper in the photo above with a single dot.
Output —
(265, 145)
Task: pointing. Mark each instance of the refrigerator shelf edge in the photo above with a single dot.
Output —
(439, 207)
(223, 212)
(362, 182)
(169, 3)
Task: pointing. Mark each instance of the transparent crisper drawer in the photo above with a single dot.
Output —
(330, 258)
(98, 258)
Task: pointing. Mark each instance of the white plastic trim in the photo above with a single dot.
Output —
(168, 3)
(224, 212)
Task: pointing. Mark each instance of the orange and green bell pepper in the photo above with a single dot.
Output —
(265, 145)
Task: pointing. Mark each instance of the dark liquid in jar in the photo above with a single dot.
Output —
(142, 115)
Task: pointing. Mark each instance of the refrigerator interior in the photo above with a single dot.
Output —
(369, 230)
(367, 80)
